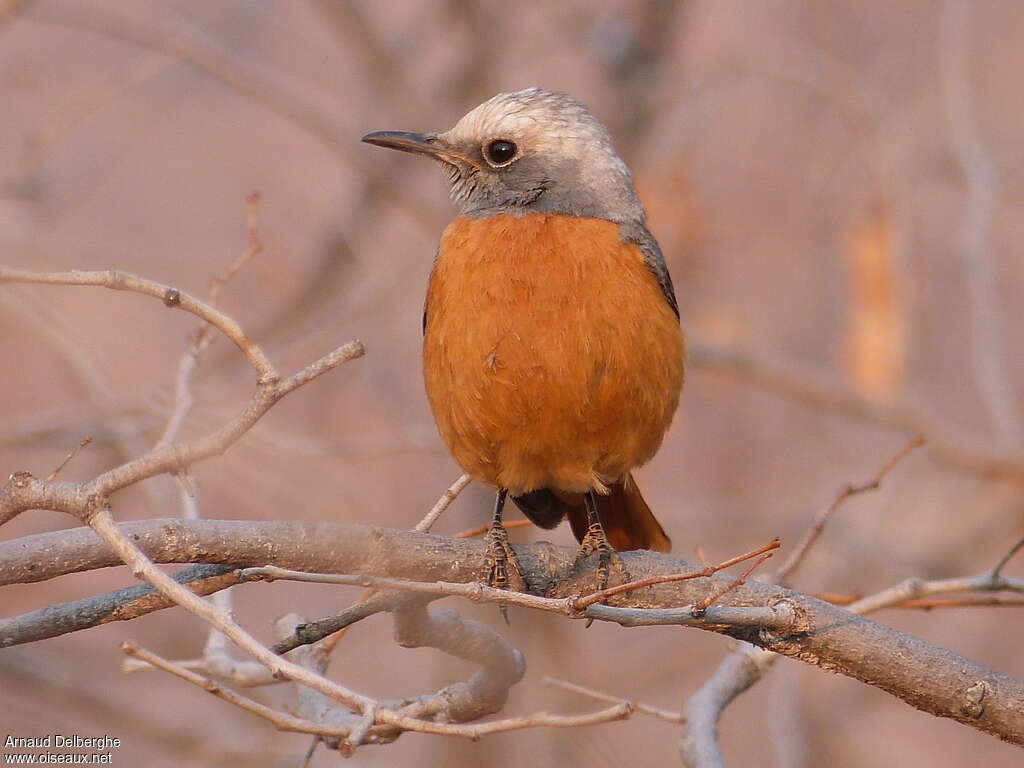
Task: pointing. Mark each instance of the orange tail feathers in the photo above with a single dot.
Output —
(628, 521)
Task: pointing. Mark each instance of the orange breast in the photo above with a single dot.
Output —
(551, 357)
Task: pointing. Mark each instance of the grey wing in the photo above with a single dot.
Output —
(644, 240)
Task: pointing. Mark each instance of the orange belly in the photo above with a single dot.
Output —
(551, 357)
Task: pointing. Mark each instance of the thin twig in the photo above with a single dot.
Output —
(253, 248)
(189, 360)
(442, 504)
(604, 594)
(281, 720)
(915, 589)
(480, 530)
(667, 715)
(171, 297)
(777, 617)
(701, 606)
(216, 657)
(288, 722)
(143, 568)
(423, 526)
(812, 534)
(67, 459)
(998, 569)
(966, 601)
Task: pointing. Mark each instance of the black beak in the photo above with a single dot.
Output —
(428, 144)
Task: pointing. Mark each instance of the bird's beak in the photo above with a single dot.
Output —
(429, 144)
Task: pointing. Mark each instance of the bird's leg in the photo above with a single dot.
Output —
(499, 555)
(596, 541)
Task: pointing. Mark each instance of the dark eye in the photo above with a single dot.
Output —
(500, 152)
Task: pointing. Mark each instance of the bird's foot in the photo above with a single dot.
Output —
(608, 558)
(501, 565)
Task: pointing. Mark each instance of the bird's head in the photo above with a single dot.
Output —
(528, 151)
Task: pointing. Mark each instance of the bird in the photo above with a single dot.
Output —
(553, 353)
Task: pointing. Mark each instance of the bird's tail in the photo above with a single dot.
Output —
(627, 520)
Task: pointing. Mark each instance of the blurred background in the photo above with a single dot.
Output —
(838, 188)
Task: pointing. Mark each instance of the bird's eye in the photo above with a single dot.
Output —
(500, 152)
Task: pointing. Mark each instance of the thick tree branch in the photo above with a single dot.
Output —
(698, 747)
(926, 676)
(119, 605)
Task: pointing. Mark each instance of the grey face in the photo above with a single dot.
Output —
(528, 151)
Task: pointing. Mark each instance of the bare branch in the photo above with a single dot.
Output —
(442, 504)
(997, 570)
(216, 657)
(189, 360)
(700, 608)
(698, 747)
(811, 535)
(119, 605)
(370, 603)
(500, 665)
(747, 664)
(700, 573)
(966, 601)
(100, 520)
(171, 297)
(26, 492)
(67, 459)
(777, 617)
(380, 733)
(926, 676)
(281, 720)
(638, 706)
(913, 589)
(341, 623)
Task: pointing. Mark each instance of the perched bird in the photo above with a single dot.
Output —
(552, 354)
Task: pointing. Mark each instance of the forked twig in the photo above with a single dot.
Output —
(701, 606)
(604, 594)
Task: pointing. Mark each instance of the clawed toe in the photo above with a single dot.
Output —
(501, 565)
(595, 541)
(608, 560)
